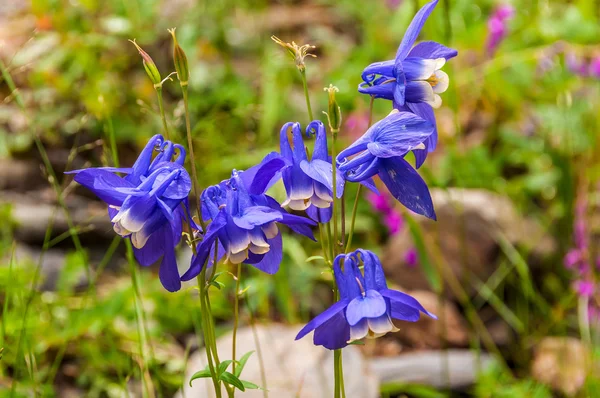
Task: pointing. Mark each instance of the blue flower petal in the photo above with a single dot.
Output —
(323, 317)
(425, 111)
(320, 215)
(334, 333)
(405, 184)
(256, 216)
(203, 250)
(384, 68)
(370, 185)
(397, 134)
(371, 305)
(258, 179)
(404, 307)
(320, 150)
(374, 276)
(168, 273)
(322, 171)
(384, 90)
(432, 50)
(270, 261)
(142, 164)
(346, 280)
(413, 30)
(103, 183)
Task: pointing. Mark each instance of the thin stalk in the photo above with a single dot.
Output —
(188, 129)
(236, 313)
(335, 203)
(306, 96)
(355, 206)
(208, 346)
(139, 321)
(343, 220)
(261, 364)
(353, 219)
(323, 244)
(162, 111)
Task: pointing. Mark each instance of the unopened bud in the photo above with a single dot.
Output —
(149, 65)
(180, 59)
(334, 114)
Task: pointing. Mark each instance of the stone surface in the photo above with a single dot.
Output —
(470, 224)
(429, 333)
(33, 211)
(452, 369)
(292, 368)
(562, 363)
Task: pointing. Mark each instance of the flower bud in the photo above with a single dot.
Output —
(334, 114)
(180, 59)
(149, 65)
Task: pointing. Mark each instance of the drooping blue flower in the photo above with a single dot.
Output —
(414, 79)
(381, 150)
(145, 205)
(366, 308)
(245, 223)
(308, 183)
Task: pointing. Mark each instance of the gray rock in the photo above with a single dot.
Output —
(32, 212)
(470, 224)
(292, 368)
(452, 369)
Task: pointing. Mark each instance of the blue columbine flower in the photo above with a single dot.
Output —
(414, 79)
(245, 222)
(381, 151)
(366, 307)
(144, 206)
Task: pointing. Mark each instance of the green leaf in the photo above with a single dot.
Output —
(242, 363)
(233, 380)
(249, 385)
(315, 258)
(217, 284)
(224, 365)
(198, 375)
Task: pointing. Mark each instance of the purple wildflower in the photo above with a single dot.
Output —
(497, 27)
(585, 288)
(594, 67)
(411, 257)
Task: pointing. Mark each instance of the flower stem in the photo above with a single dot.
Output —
(323, 244)
(305, 85)
(335, 203)
(236, 313)
(188, 129)
(353, 220)
(162, 111)
(205, 328)
(139, 320)
(355, 206)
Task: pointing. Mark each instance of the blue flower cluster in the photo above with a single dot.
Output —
(148, 203)
(413, 82)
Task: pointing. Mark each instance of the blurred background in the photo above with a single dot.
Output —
(510, 267)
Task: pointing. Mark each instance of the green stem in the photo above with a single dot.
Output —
(323, 244)
(162, 111)
(205, 328)
(139, 321)
(236, 313)
(335, 203)
(306, 96)
(355, 206)
(336, 372)
(353, 219)
(188, 129)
